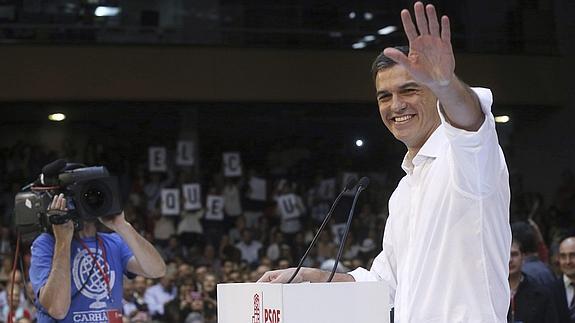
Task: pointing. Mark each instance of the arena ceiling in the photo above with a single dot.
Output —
(532, 27)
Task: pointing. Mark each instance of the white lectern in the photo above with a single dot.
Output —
(365, 302)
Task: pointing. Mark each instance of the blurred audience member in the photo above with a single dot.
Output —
(563, 289)
(190, 229)
(159, 294)
(530, 301)
(249, 248)
(525, 236)
(15, 308)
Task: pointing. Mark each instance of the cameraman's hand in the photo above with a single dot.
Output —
(62, 232)
(115, 222)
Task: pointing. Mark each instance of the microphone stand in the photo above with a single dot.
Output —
(362, 185)
(323, 224)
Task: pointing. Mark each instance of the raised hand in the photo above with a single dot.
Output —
(114, 222)
(430, 60)
(62, 232)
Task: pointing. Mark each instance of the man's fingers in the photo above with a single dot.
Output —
(420, 18)
(276, 276)
(58, 202)
(396, 56)
(433, 23)
(62, 202)
(278, 280)
(53, 203)
(445, 31)
(265, 278)
(408, 25)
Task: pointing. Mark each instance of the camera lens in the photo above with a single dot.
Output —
(94, 198)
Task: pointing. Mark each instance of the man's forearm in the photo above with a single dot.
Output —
(55, 295)
(460, 105)
(151, 262)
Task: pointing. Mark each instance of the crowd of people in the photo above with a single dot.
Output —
(251, 239)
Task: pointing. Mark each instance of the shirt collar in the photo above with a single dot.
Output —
(431, 149)
(566, 281)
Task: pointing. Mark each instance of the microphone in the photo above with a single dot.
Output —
(49, 175)
(50, 172)
(81, 173)
(362, 185)
(350, 184)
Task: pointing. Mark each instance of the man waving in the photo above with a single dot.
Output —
(447, 241)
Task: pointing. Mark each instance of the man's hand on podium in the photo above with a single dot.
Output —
(304, 275)
(282, 276)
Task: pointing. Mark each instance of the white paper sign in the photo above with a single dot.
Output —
(157, 157)
(257, 189)
(192, 196)
(215, 207)
(170, 201)
(185, 154)
(327, 189)
(287, 205)
(232, 164)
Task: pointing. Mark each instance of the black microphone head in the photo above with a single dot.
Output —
(350, 184)
(49, 175)
(54, 168)
(363, 182)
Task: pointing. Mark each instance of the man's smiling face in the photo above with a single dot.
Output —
(408, 109)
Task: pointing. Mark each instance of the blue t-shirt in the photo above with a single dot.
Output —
(92, 303)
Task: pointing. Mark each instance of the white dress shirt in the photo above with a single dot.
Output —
(447, 241)
(569, 290)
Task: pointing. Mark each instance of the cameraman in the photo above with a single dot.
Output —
(79, 277)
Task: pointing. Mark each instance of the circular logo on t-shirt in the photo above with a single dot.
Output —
(85, 272)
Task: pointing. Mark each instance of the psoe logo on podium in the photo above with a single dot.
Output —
(271, 315)
(256, 316)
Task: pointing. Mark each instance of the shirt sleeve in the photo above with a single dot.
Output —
(476, 158)
(384, 266)
(123, 251)
(42, 251)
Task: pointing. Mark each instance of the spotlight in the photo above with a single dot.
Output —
(358, 45)
(56, 117)
(368, 38)
(387, 30)
(502, 119)
(359, 143)
(107, 11)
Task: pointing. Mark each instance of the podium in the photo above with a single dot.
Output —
(365, 302)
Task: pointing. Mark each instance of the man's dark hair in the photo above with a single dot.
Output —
(524, 235)
(382, 62)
